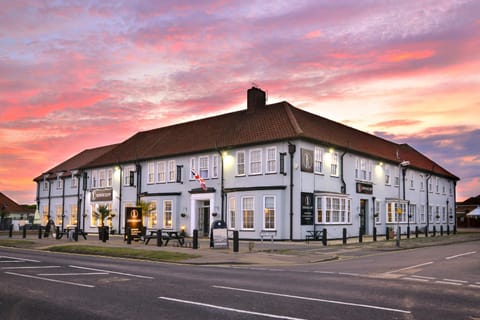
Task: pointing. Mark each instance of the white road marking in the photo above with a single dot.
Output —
(19, 259)
(51, 280)
(423, 277)
(349, 274)
(73, 274)
(230, 309)
(37, 267)
(460, 255)
(453, 280)
(115, 272)
(416, 279)
(325, 272)
(473, 286)
(448, 282)
(314, 299)
(412, 267)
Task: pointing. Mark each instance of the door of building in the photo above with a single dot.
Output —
(363, 216)
(204, 218)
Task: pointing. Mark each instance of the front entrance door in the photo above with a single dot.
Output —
(363, 216)
(204, 218)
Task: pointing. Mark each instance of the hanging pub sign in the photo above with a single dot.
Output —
(307, 216)
(364, 188)
(307, 160)
(133, 220)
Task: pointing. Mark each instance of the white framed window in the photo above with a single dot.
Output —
(193, 167)
(450, 215)
(436, 185)
(94, 179)
(109, 178)
(150, 172)
(74, 181)
(437, 214)
(412, 181)
(392, 214)
(412, 213)
(161, 172)
(126, 174)
(269, 212)
(102, 178)
(422, 183)
(318, 160)
(377, 212)
(430, 214)
(58, 215)
(334, 165)
(73, 214)
(45, 185)
(421, 213)
(255, 161)
(248, 213)
(363, 169)
(430, 185)
(444, 214)
(333, 210)
(203, 166)
(240, 165)
(232, 212)
(172, 171)
(167, 214)
(59, 183)
(271, 160)
(215, 162)
(152, 208)
(396, 179)
(357, 168)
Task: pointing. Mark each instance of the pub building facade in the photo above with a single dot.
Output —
(270, 170)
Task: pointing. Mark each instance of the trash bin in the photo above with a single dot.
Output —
(218, 234)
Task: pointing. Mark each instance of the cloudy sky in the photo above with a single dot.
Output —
(82, 74)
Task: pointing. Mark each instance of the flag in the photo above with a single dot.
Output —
(199, 179)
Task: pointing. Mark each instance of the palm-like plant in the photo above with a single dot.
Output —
(102, 213)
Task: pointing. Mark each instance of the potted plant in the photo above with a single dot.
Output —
(102, 212)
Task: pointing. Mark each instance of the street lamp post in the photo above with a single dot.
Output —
(401, 165)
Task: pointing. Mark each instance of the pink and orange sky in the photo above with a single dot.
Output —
(82, 74)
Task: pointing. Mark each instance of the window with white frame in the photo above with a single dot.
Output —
(363, 169)
(444, 214)
(443, 188)
(161, 172)
(412, 212)
(232, 212)
(203, 166)
(422, 183)
(94, 179)
(397, 177)
(412, 181)
(271, 160)
(58, 215)
(357, 168)
(318, 160)
(437, 214)
(450, 215)
(422, 216)
(167, 214)
(73, 214)
(215, 162)
(102, 179)
(172, 171)
(109, 177)
(248, 213)
(152, 206)
(59, 183)
(333, 210)
(240, 165)
(126, 175)
(255, 161)
(334, 165)
(430, 214)
(430, 185)
(377, 212)
(193, 167)
(74, 181)
(269, 212)
(392, 213)
(150, 173)
(45, 185)
(437, 190)
(45, 215)
(388, 178)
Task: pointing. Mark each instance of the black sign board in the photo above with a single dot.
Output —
(133, 220)
(102, 194)
(307, 214)
(364, 188)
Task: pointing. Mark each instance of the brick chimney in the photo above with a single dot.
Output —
(256, 99)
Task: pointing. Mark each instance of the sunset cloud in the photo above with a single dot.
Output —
(80, 75)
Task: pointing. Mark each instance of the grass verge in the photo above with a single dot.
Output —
(17, 243)
(124, 253)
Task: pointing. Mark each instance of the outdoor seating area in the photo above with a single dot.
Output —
(165, 237)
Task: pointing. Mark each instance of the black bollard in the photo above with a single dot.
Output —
(104, 234)
(24, 232)
(455, 229)
(235, 241)
(75, 234)
(441, 230)
(434, 231)
(360, 235)
(387, 234)
(10, 230)
(416, 231)
(57, 233)
(344, 236)
(426, 231)
(195, 239)
(324, 236)
(408, 232)
(374, 233)
(159, 238)
(129, 236)
(448, 229)
(39, 232)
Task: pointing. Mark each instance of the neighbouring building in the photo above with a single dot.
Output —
(270, 169)
(468, 213)
(14, 213)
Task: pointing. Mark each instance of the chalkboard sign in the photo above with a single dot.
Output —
(133, 220)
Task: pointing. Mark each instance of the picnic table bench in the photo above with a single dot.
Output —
(166, 236)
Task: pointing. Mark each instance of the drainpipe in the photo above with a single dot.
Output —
(428, 206)
(49, 197)
(291, 151)
(79, 201)
(63, 202)
(138, 169)
(120, 201)
(343, 188)
(455, 206)
(84, 185)
(222, 188)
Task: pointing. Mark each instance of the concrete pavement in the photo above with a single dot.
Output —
(266, 253)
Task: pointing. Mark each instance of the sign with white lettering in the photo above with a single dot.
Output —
(364, 188)
(102, 194)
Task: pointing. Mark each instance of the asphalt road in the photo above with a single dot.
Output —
(425, 283)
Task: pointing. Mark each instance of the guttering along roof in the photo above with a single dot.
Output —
(276, 122)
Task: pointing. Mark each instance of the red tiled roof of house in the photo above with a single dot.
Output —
(276, 122)
(10, 206)
(76, 162)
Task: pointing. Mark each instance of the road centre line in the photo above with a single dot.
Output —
(314, 299)
(51, 280)
(423, 277)
(412, 267)
(36, 267)
(415, 279)
(19, 259)
(448, 282)
(73, 274)
(230, 309)
(460, 255)
(114, 272)
(453, 280)
(473, 286)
